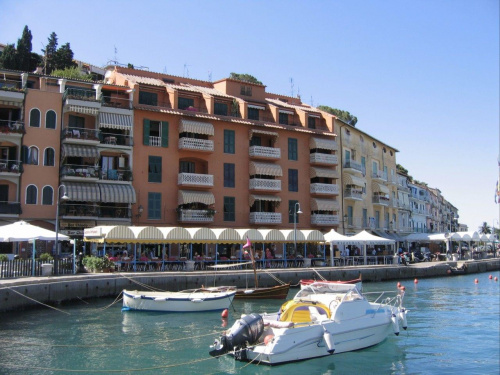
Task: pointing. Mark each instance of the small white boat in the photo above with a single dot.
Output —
(192, 300)
(323, 318)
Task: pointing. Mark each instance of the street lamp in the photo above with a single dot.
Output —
(296, 210)
(64, 198)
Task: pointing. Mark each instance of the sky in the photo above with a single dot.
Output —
(421, 76)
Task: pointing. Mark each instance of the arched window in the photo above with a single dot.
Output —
(33, 155)
(31, 193)
(50, 119)
(35, 118)
(47, 195)
(49, 157)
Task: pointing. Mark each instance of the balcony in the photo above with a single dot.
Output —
(263, 184)
(193, 144)
(264, 152)
(195, 216)
(354, 194)
(327, 220)
(83, 136)
(81, 101)
(116, 102)
(89, 211)
(11, 128)
(323, 159)
(268, 218)
(379, 176)
(404, 188)
(326, 189)
(195, 179)
(10, 167)
(380, 200)
(12, 91)
(353, 166)
(10, 208)
(115, 140)
(73, 172)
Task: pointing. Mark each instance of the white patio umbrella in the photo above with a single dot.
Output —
(335, 238)
(369, 239)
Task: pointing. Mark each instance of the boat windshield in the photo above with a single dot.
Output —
(327, 288)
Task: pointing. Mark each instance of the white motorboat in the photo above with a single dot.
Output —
(323, 318)
(192, 300)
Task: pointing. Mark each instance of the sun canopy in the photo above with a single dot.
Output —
(370, 239)
(23, 231)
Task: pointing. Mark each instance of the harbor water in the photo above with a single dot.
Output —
(453, 327)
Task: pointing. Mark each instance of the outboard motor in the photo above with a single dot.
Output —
(248, 329)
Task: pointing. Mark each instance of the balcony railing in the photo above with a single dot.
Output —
(196, 179)
(10, 85)
(196, 144)
(264, 184)
(322, 219)
(84, 134)
(264, 152)
(353, 193)
(10, 208)
(80, 171)
(379, 199)
(85, 210)
(110, 101)
(114, 139)
(265, 218)
(330, 189)
(319, 158)
(11, 166)
(199, 216)
(351, 164)
(15, 127)
(80, 94)
(379, 175)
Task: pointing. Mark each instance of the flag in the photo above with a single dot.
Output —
(250, 250)
(248, 244)
(497, 192)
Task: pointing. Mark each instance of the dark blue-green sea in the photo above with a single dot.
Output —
(453, 328)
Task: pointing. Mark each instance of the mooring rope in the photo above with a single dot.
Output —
(41, 303)
(141, 284)
(275, 278)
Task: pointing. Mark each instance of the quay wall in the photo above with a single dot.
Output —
(23, 293)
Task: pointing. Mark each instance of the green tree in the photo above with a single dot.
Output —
(64, 57)
(24, 51)
(8, 58)
(73, 73)
(50, 52)
(485, 228)
(245, 78)
(343, 115)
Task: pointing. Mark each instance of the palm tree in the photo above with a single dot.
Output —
(485, 228)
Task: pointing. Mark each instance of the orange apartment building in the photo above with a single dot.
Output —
(145, 148)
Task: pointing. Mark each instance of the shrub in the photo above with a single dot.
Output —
(46, 257)
(4, 258)
(96, 264)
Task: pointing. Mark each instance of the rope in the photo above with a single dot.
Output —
(117, 299)
(320, 276)
(275, 278)
(141, 284)
(41, 303)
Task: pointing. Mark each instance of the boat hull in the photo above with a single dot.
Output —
(274, 292)
(177, 301)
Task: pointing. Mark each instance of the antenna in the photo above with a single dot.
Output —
(165, 70)
(291, 85)
(186, 70)
(116, 51)
(209, 76)
(312, 101)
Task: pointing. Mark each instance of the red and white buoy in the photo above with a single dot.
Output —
(496, 278)
(490, 277)
(476, 281)
(415, 281)
(225, 313)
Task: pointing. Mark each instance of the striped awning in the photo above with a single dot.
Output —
(269, 198)
(191, 196)
(349, 179)
(323, 172)
(188, 126)
(266, 169)
(82, 192)
(11, 103)
(117, 193)
(323, 144)
(379, 188)
(115, 121)
(81, 109)
(324, 205)
(83, 151)
(263, 132)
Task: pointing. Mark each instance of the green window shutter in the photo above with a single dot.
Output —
(164, 134)
(146, 132)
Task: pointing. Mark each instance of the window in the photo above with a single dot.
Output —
(76, 122)
(374, 168)
(50, 119)
(30, 155)
(293, 217)
(293, 180)
(155, 133)
(229, 209)
(363, 164)
(184, 103)
(49, 157)
(246, 90)
(186, 167)
(347, 154)
(154, 206)
(148, 98)
(228, 175)
(350, 215)
(229, 139)
(292, 149)
(283, 118)
(31, 193)
(35, 118)
(253, 114)
(365, 218)
(220, 109)
(311, 122)
(47, 194)
(154, 169)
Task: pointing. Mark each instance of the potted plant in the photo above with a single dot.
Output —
(97, 264)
